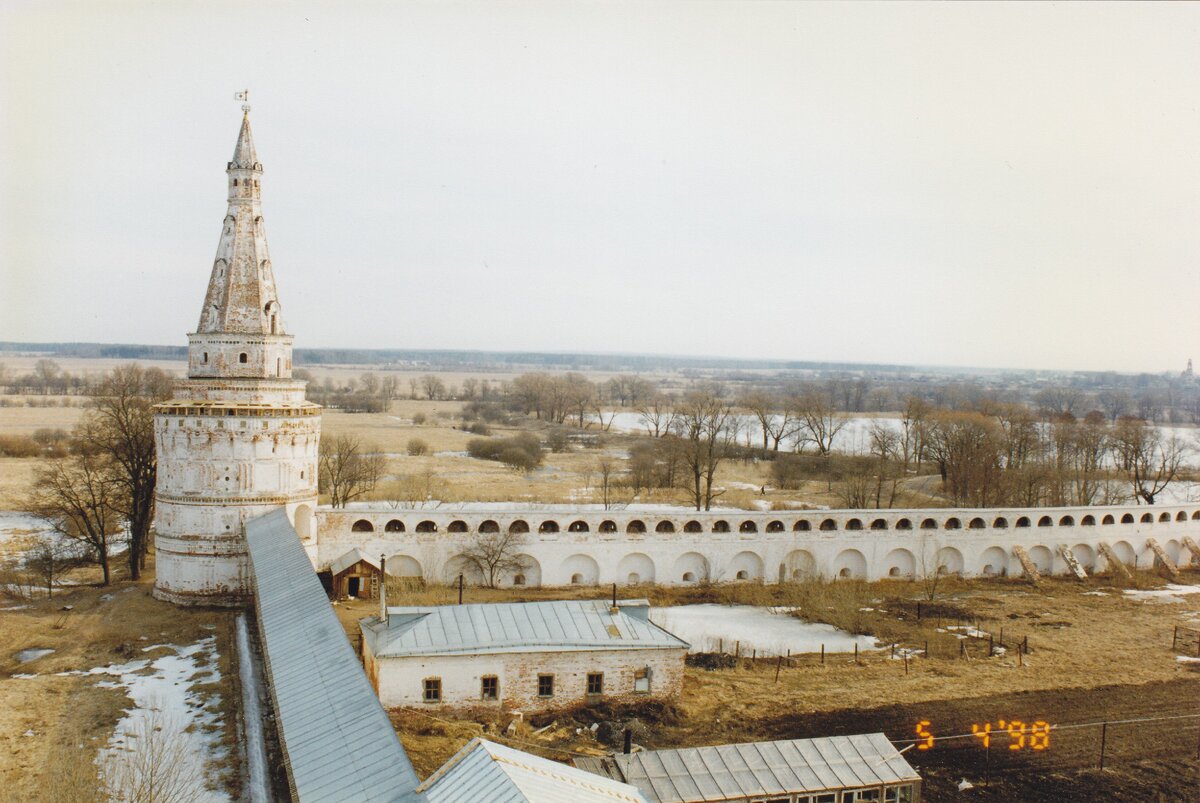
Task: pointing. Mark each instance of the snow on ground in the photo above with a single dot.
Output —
(163, 698)
(705, 626)
(185, 725)
(1169, 594)
(20, 533)
(32, 654)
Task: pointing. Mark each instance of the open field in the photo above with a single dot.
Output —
(1083, 637)
(56, 716)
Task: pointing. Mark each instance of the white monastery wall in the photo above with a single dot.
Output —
(399, 681)
(566, 545)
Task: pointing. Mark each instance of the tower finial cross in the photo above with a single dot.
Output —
(244, 96)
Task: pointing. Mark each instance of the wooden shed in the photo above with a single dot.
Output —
(355, 575)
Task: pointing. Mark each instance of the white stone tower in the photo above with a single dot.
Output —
(238, 439)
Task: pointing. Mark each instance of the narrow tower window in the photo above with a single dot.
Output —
(205, 357)
(242, 357)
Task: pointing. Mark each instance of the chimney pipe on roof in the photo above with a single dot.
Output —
(614, 610)
(383, 614)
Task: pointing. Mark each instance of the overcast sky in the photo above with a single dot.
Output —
(957, 184)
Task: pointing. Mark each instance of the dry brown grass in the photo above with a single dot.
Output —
(71, 715)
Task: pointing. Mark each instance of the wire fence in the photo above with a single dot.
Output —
(990, 750)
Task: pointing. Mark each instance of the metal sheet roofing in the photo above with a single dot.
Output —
(338, 742)
(486, 771)
(751, 769)
(559, 625)
(350, 558)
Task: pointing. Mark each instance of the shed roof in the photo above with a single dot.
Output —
(484, 770)
(337, 740)
(558, 625)
(751, 769)
(349, 559)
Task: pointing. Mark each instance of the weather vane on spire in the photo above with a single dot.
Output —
(244, 96)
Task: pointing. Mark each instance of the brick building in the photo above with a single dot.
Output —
(527, 656)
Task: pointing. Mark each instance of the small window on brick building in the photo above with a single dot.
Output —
(433, 690)
(243, 357)
(489, 688)
(595, 683)
(545, 685)
(641, 681)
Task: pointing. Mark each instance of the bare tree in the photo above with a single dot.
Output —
(886, 447)
(657, 414)
(930, 566)
(605, 467)
(52, 558)
(79, 497)
(1150, 461)
(154, 765)
(704, 420)
(433, 386)
(819, 419)
(120, 426)
(775, 417)
(494, 555)
(347, 469)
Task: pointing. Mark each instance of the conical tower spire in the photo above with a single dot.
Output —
(243, 153)
(241, 291)
(241, 312)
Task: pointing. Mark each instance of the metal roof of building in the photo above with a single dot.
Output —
(555, 626)
(338, 743)
(486, 771)
(753, 769)
(349, 559)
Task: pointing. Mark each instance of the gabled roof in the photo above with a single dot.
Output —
(752, 769)
(349, 559)
(559, 625)
(486, 771)
(337, 741)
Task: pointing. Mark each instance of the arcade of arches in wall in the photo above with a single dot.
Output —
(693, 567)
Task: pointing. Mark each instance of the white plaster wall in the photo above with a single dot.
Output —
(778, 542)
(400, 680)
(215, 472)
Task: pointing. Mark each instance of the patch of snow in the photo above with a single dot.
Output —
(964, 631)
(23, 676)
(14, 608)
(32, 654)
(1095, 593)
(1183, 659)
(451, 454)
(256, 751)
(163, 698)
(706, 626)
(1168, 595)
(907, 652)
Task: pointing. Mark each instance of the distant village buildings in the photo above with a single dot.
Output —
(525, 656)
